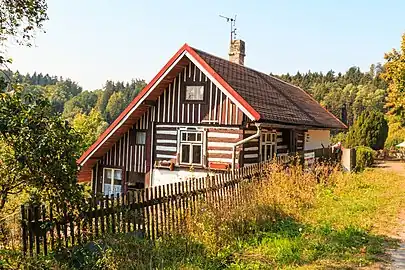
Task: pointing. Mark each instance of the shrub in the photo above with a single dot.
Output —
(340, 137)
(396, 132)
(364, 157)
(370, 129)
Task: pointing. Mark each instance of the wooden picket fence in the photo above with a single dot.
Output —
(150, 212)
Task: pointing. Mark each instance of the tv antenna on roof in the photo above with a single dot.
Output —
(231, 21)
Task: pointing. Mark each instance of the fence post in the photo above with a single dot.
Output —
(96, 215)
(118, 211)
(162, 209)
(52, 228)
(37, 230)
(141, 211)
(112, 211)
(24, 229)
(171, 205)
(43, 210)
(124, 211)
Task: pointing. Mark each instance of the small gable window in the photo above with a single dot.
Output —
(194, 92)
(140, 137)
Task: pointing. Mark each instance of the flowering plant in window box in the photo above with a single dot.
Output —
(171, 166)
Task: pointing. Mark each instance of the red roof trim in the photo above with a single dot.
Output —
(221, 81)
(131, 105)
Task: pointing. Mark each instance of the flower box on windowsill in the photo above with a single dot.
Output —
(219, 166)
(165, 164)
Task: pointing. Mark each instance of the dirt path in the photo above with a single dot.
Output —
(398, 255)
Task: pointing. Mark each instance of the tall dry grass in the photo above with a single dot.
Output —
(280, 193)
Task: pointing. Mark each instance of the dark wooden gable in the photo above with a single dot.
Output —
(216, 108)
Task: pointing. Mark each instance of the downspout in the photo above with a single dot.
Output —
(256, 135)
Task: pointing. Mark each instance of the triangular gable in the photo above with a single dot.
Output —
(139, 105)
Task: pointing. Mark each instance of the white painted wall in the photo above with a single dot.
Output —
(314, 139)
(165, 176)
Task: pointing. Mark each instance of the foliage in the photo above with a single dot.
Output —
(114, 106)
(81, 104)
(364, 158)
(19, 20)
(68, 97)
(394, 75)
(13, 259)
(116, 97)
(57, 90)
(340, 137)
(396, 132)
(370, 129)
(89, 126)
(39, 149)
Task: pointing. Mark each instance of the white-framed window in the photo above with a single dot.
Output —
(191, 147)
(140, 137)
(268, 145)
(194, 92)
(112, 181)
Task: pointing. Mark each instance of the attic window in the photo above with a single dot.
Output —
(195, 92)
(140, 138)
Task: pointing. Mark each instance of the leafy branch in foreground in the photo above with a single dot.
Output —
(38, 150)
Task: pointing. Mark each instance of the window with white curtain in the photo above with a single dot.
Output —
(112, 181)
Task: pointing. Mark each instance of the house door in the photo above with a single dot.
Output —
(268, 143)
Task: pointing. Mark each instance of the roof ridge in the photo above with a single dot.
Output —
(243, 66)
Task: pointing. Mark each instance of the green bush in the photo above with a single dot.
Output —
(339, 137)
(364, 157)
(396, 132)
(370, 129)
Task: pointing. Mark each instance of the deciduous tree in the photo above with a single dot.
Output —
(89, 127)
(394, 75)
(39, 149)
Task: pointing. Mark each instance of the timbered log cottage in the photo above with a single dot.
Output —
(202, 114)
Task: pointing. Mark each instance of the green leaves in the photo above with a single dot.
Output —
(40, 148)
(394, 75)
(89, 127)
(20, 19)
(370, 129)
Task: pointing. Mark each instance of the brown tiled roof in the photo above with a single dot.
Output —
(274, 99)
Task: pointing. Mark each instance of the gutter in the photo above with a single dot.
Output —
(256, 135)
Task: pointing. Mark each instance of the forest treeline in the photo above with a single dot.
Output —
(90, 112)
(354, 91)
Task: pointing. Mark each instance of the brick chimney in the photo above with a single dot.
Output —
(237, 52)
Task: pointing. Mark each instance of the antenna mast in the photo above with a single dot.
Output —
(231, 21)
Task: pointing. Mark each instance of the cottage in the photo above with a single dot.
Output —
(201, 114)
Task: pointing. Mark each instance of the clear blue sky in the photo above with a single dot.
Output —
(91, 41)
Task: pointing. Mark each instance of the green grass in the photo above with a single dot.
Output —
(343, 225)
(347, 226)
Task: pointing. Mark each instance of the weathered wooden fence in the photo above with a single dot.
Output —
(150, 212)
